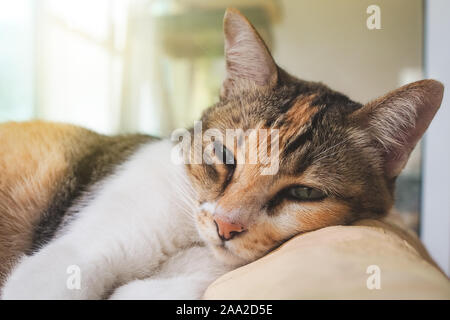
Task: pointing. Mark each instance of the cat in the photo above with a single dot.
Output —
(133, 223)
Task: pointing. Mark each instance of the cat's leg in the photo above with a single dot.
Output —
(86, 263)
(184, 276)
(132, 225)
(56, 272)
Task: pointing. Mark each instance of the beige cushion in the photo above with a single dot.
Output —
(331, 263)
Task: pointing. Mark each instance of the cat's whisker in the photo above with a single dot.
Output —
(186, 195)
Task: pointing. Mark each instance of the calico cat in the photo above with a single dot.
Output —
(135, 224)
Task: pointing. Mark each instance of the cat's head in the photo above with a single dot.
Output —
(337, 159)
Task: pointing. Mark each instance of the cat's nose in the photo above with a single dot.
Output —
(227, 230)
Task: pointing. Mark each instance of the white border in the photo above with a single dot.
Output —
(435, 222)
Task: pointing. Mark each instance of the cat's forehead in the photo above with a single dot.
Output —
(310, 119)
(290, 108)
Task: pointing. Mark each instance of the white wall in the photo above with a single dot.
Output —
(436, 183)
(329, 41)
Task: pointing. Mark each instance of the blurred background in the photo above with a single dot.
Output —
(151, 66)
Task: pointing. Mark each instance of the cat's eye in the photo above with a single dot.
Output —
(302, 193)
(224, 155)
(226, 158)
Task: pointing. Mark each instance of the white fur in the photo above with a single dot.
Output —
(139, 225)
(209, 207)
(174, 281)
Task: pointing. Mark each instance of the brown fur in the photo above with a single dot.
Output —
(300, 113)
(33, 164)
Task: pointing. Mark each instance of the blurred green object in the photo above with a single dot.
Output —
(193, 33)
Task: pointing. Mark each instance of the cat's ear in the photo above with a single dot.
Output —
(248, 61)
(398, 120)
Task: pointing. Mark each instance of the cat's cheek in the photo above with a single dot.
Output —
(206, 228)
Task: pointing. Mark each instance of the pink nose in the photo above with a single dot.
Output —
(227, 230)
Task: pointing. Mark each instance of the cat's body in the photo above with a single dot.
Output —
(131, 229)
(115, 210)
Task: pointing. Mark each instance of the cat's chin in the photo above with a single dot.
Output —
(220, 250)
(226, 256)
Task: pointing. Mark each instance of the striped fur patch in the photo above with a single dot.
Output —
(44, 168)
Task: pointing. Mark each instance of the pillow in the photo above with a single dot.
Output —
(368, 260)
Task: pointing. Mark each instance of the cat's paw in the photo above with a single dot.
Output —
(177, 288)
(34, 279)
(135, 290)
(46, 275)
